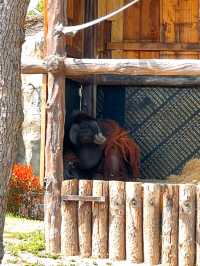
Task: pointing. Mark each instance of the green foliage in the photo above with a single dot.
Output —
(49, 256)
(29, 242)
(40, 6)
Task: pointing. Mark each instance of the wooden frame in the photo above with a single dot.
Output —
(83, 198)
(100, 71)
(79, 68)
(153, 46)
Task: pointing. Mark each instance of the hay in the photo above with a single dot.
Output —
(189, 174)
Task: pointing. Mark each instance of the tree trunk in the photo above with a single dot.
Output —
(12, 14)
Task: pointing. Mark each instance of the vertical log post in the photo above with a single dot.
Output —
(198, 228)
(85, 219)
(55, 45)
(134, 240)
(170, 225)
(187, 223)
(151, 223)
(89, 51)
(69, 226)
(100, 221)
(116, 220)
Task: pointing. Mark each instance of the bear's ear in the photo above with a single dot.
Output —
(73, 133)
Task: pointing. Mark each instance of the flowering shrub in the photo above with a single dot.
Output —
(22, 181)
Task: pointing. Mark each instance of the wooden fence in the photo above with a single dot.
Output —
(150, 222)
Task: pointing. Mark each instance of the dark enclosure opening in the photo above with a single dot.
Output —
(165, 122)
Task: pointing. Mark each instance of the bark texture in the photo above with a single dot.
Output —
(12, 16)
(100, 221)
(134, 240)
(83, 68)
(55, 130)
(187, 215)
(117, 220)
(151, 223)
(69, 227)
(170, 225)
(85, 219)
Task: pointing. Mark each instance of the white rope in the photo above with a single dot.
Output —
(80, 92)
(72, 30)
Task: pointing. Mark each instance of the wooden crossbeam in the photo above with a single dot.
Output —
(119, 80)
(79, 68)
(153, 46)
(83, 198)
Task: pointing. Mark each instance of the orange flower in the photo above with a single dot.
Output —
(21, 181)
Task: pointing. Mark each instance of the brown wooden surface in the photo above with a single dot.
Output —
(89, 51)
(100, 221)
(132, 17)
(75, 16)
(170, 22)
(69, 227)
(85, 219)
(166, 81)
(116, 220)
(187, 223)
(134, 205)
(83, 198)
(153, 46)
(151, 223)
(170, 225)
(152, 67)
(54, 131)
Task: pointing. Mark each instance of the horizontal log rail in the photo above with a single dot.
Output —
(148, 81)
(153, 46)
(80, 68)
(83, 198)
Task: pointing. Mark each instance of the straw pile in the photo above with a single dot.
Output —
(189, 174)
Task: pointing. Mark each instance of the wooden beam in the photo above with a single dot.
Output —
(153, 46)
(88, 52)
(73, 67)
(162, 81)
(55, 114)
(83, 198)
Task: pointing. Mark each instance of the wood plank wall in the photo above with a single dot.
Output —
(151, 29)
(75, 16)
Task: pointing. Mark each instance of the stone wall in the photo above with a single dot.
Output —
(29, 142)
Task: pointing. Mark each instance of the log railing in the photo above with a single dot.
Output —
(73, 67)
(147, 223)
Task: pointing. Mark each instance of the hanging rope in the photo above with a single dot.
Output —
(72, 30)
(80, 92)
